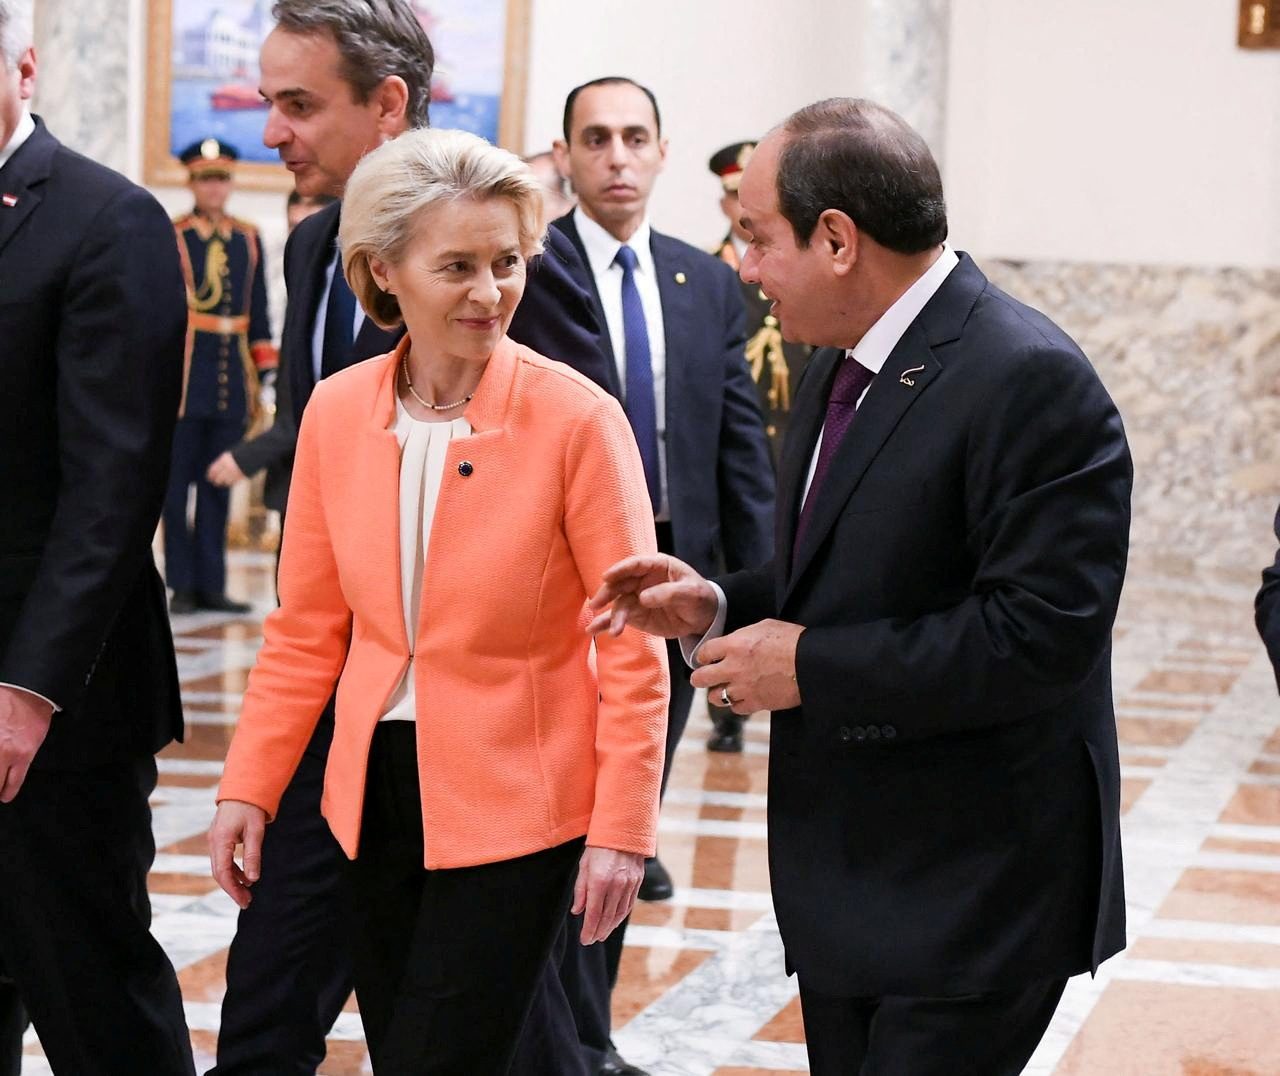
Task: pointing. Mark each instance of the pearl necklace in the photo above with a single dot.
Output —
(404, 364)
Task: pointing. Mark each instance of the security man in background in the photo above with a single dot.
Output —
(228, 348)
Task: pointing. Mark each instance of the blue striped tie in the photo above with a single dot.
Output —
(639, 401)
(339, 323)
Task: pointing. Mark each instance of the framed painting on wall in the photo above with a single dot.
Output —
(1259, 24)
(202, 79)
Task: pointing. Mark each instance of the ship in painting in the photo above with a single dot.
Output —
(236, 97)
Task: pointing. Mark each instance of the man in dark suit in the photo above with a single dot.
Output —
(289, 969)
(1266, 608)
(92, 320)
(933, 635)
(675, 340)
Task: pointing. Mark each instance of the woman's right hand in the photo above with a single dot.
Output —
(237, 823)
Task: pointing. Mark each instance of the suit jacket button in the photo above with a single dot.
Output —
(465, 468)
(888, 732)
(844, 734)
(859, 733)
(873, 733)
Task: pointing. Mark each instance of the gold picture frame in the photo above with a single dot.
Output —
(1259, 24)
(165, 131)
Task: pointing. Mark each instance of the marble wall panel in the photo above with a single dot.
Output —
(82, 87)
(1192, 358)
(905, 62)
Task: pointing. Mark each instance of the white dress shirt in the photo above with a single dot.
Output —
(25, 129)
(879, 341)
(601, 249)
(423, 446)
(322, 315)
(871, 351)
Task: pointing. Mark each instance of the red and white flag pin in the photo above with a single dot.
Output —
(10, 200)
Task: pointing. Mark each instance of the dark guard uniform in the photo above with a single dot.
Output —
(228, 345)
(776, 365)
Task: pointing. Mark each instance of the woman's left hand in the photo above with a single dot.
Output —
(606, 889)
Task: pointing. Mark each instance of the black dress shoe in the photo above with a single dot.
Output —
(727, 742)
(728, 731)
(183, 601)
(220, 603)
(657, 882)
(613, 1065)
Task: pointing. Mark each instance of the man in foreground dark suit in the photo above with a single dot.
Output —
(341, 79)
(92, 324)
(933, 636)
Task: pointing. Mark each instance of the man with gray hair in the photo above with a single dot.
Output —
(341, 78)
(91, 341)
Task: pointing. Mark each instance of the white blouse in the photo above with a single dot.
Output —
(423, 446)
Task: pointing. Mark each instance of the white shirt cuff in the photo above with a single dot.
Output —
(56, 707)
(691, 644)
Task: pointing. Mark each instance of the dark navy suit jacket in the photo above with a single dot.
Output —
(93, 320)
(944, 804)
(720, 480)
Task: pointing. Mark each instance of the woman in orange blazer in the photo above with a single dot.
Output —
(453, 506)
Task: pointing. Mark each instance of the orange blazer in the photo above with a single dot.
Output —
(523, 741)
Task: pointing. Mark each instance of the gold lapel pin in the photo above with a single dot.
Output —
(907, 379)
(681, 278)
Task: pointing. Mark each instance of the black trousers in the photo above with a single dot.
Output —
(588, 974)
(289, 965)
(977, 1035)
(195, 557)
(13, 1022)
(289, 968)
(447, 961)
(75, 923)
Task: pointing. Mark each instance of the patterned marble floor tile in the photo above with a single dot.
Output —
(702, 990)
(1149, 1029)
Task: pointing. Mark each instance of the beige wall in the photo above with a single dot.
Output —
(1107, 132)
(722, 70)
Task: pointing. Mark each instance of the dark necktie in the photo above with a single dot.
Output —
(850, 381)
(339, 318)
(639, 403)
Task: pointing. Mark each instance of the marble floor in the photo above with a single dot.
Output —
(702, 992)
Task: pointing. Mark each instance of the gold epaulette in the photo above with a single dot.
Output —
(243, 225)
(765, 355)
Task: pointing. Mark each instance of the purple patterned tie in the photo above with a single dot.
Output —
(851, 379)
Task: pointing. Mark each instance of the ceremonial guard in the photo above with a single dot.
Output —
(776, 366)
(228, 348)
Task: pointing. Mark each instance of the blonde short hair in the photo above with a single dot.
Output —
(391, 187)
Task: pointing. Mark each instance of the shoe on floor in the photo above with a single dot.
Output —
(220, 603)
(728, 731)
(614, 1065)
(657, 882)
(726, 742)
(183, 601)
